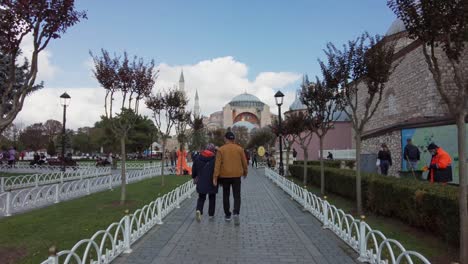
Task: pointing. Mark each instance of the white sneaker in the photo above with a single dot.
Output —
(198, 216)
(236, 220)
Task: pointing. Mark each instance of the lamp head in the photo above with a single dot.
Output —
(65, 99)
(279, 98)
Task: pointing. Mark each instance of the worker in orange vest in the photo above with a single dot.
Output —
(440, 169)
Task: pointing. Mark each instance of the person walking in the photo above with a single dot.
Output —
(254, 159)
(385, 158)
(202, 174)
(12, 156)
(440, 169)
(230, 166)
(411, 155)
(294, 154)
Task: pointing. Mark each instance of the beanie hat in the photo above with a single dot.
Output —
(229, 135)
(211, 147)
(432, 146)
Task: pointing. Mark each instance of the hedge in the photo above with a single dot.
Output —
(327, 163)
(431, 207)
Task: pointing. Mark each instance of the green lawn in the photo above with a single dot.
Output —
(9, 174)
(411, 238)
(66, 223)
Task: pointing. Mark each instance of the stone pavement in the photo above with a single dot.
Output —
(273, 229)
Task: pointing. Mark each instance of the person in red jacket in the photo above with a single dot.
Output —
(440, 169)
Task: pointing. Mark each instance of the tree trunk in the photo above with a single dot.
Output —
(358, 173)
(463, 189)
(322, 170)
(306, 157)
(123, 190)
(163, 160)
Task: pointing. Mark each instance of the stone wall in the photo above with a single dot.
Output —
(393, 141)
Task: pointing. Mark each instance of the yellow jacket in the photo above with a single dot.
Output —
(230, 162)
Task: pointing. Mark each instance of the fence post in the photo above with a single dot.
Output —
(325, 212)
(57, 193)
(159, 218)
(110, 182)
(8, 204)
(362, 240)
(304, 196)
(2, 183)
(61, 177)
(88, 189)
(127, 234)
(52, 259)
(178, 198)
(36, 179)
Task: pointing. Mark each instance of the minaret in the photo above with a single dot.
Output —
(182, 82)
(196, 107)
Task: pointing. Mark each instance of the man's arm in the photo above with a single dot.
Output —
(244, 164)
(219, 160)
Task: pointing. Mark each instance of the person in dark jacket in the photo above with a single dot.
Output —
(411, 155)
(202, 174)
(385, 159)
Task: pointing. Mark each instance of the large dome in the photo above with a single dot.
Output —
(246, 100)
(245, 124)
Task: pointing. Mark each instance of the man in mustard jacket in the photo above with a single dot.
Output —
(231, 165)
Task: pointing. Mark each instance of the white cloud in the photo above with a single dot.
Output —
(217, 80)
(46, 71)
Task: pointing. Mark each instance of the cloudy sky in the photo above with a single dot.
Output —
(224, 48)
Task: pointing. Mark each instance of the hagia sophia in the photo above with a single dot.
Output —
(244, 110)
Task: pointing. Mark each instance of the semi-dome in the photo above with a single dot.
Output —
(246, 100)
(396, 27)
(297, 104)
(245, 124)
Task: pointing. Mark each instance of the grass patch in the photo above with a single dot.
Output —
(66, 223)
(433, 248)
(10, 174)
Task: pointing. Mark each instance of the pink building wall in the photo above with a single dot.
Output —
(337, 138)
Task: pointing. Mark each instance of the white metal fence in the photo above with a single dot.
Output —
(340, 154)
(56, 190)
(371, 244)
(106, 245)
(35, 180)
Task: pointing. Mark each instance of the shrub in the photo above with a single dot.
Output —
(432, 207)
(327, 163)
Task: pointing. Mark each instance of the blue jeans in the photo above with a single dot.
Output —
(384, 166)
(411, 165)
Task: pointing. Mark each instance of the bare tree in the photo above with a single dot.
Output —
(52, 128)
(301, 126)
(443, 26)
(365, 63)
(325, 104)
(132, 80)
(43, 20)
(166, 107)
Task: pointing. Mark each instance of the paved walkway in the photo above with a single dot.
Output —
(273, 229)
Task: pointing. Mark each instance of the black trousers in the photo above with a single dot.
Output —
(211, 203)
(254, 162)
(236, 191)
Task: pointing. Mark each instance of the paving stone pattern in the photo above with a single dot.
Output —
(273, 229)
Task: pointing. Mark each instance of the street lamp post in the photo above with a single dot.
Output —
(65, 101)
(279, 101)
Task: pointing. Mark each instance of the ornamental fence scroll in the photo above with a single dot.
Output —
(106, 245)
(26, 168)
(36, 180)
(371, 244)
(19, 200)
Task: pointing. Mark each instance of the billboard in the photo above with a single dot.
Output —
(443, 136)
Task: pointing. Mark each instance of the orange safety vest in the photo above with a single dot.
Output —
(441, 159)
